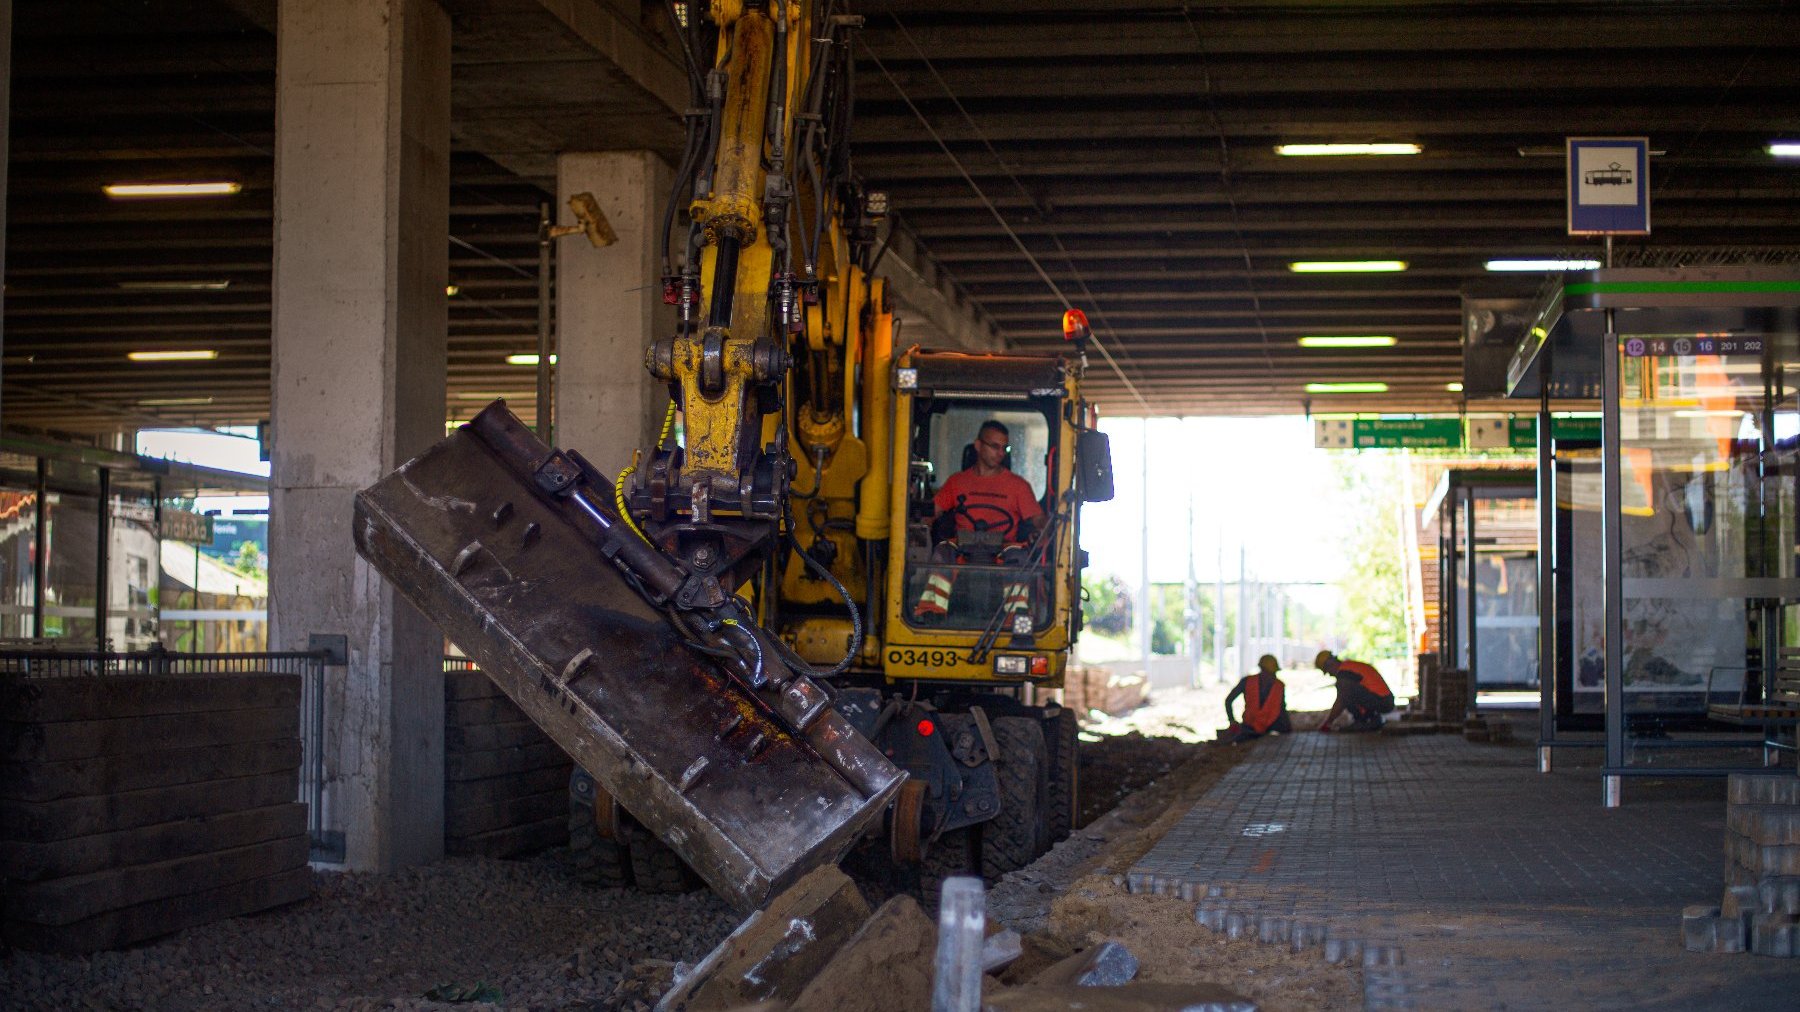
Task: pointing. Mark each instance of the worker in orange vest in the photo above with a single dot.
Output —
(1360, 690)
(1265, 704)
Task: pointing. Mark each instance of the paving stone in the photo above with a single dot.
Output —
(1765, 825)
(1778, 895)
(1000, 950)
(1210, 914)
(1699, 928)
(1107, 965)
(1740, 901)
(1775, 935)
(1776, 788)
(1764, 861)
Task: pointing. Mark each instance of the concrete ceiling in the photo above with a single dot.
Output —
(1127, 146)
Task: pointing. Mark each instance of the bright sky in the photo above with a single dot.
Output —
(231, 449)
(1257, 483)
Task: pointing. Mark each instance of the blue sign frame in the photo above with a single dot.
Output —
(1609, 185)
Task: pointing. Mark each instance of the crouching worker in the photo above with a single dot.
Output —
(1265, 704)
(1361, 691)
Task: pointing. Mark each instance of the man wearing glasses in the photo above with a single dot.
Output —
(985, 514)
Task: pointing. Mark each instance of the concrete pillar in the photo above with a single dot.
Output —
(362, 181)
(609, 307)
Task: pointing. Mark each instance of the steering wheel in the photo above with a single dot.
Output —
(1004, 526)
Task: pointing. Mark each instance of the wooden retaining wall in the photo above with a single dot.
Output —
(506, 784)
(132, 807)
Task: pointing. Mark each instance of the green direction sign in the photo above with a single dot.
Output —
(1389, 433)
(1522, 431)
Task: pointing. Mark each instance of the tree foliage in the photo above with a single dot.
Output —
(1106, 605)
(1374, 585)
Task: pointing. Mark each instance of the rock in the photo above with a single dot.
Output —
(1108, 964)
(999, 951)
(886, 965)
(778, 949)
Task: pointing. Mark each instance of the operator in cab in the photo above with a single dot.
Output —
(1265, 704)
(985, 514)
(1360, 690)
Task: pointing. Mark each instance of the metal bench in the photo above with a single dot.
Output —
(1777, 712)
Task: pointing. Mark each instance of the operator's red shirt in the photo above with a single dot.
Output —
(981, 496)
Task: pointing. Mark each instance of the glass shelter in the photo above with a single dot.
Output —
(1485, 525)
(1671, 558)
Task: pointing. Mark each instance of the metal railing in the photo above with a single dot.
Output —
(48, 662)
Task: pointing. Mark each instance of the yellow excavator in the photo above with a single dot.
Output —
(726, 636)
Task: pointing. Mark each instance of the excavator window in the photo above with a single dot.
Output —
(961, 571)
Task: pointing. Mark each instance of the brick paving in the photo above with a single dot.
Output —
(1501, 887)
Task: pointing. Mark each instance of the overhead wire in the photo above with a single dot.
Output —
(981, 194)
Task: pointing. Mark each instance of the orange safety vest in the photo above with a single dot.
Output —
(1261, 714)
(1371, 679)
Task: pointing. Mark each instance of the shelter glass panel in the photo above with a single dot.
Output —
(70, 566)
(1708, 470)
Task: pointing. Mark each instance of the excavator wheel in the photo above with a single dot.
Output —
(1062, 798)
(1011, 840)
(953, 853)
(600, 858)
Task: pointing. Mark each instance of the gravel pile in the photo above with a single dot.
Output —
(507, 934)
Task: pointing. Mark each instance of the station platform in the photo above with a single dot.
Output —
(1481, 883)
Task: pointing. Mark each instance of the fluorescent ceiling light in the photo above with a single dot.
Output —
(529, 358)
(1453, 387)
(1346, 266)
(174, 286)
(1346, 388)
(209, 189)
(1785, 149)
(1708, 413)
(1305, 150)
(1347, 341)
(187, 355)
(173, 402)
(1543, 265)
(478, 395)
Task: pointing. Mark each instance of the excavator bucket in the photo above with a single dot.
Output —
(515, 579)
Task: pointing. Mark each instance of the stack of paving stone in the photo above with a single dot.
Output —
(1450, 696)
(1760, 911)
(133, 806)
(506, 784)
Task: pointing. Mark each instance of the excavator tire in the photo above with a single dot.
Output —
(1062, 741)
(655, 867)
(1011, 840)
(950, 854)
(597, 860)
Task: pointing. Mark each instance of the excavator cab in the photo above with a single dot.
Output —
(973, 595)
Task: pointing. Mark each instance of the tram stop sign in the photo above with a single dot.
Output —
(1609, 185)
